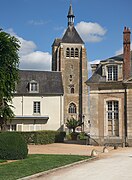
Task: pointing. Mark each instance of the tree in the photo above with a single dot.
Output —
(9, 63)
(72, 124)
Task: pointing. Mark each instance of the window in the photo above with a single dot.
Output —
(33, 86)
(76, 52)
(72, 52)
(36, 107)
(72, 108)
(67, 52)
(72, 90)
(70, 78)
(112, 73)
(113, 118)
(11, 127)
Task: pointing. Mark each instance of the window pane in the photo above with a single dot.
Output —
(110, 73)
(115, 73)
(36, 107)
(110, 106)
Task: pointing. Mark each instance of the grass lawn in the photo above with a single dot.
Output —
(1, 161)
(34, 164)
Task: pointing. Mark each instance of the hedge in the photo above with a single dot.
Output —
(12, 146)
(43, 137)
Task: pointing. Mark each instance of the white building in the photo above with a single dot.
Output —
(38, 102)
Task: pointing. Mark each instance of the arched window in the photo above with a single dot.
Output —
(72, 108)
(72, 90)
(67, 52)
(72, 52)
(76, 52)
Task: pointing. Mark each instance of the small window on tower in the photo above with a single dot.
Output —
(72, 52)
(72, 108)
(67, 52)
(70, 78)
(76, 52)
(72, 90)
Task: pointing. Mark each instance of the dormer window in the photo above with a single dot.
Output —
(34, 87)
(112, 73)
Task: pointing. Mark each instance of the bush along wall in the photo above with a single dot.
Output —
(12, 146)
(43, 137)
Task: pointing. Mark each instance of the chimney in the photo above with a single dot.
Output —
(126, 54)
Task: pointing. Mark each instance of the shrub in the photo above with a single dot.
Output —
(43, 137)
(74, 135)
(72, 124)
(59, 137)
(82, 136)
(12, 146)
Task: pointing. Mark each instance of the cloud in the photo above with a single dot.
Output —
(120, 51)
(38, 22)
(30, 58)
(91, 32)
(36, 60)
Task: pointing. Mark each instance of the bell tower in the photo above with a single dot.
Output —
(69, 57)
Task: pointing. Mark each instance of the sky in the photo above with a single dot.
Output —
(36, 23)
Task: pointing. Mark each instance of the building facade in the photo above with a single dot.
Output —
(111, 97)
(45, 100)
(38, 102)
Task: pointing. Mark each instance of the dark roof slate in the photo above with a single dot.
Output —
(96, 77)
(56, 42)
(50, 83)
(70, 12)
(72, 36)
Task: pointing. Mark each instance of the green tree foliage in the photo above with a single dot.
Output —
(73, 123)
(9, 63)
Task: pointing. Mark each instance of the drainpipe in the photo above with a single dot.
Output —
(80, 92)
(125, 115)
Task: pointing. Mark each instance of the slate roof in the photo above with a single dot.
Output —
(50, 82)
(70, 12)
(72, 36)
(56, 42)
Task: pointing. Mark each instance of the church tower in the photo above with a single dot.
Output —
(69, 57)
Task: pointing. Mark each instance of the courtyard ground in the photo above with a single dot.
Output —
(113, 165)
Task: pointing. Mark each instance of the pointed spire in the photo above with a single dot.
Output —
(70, 16)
